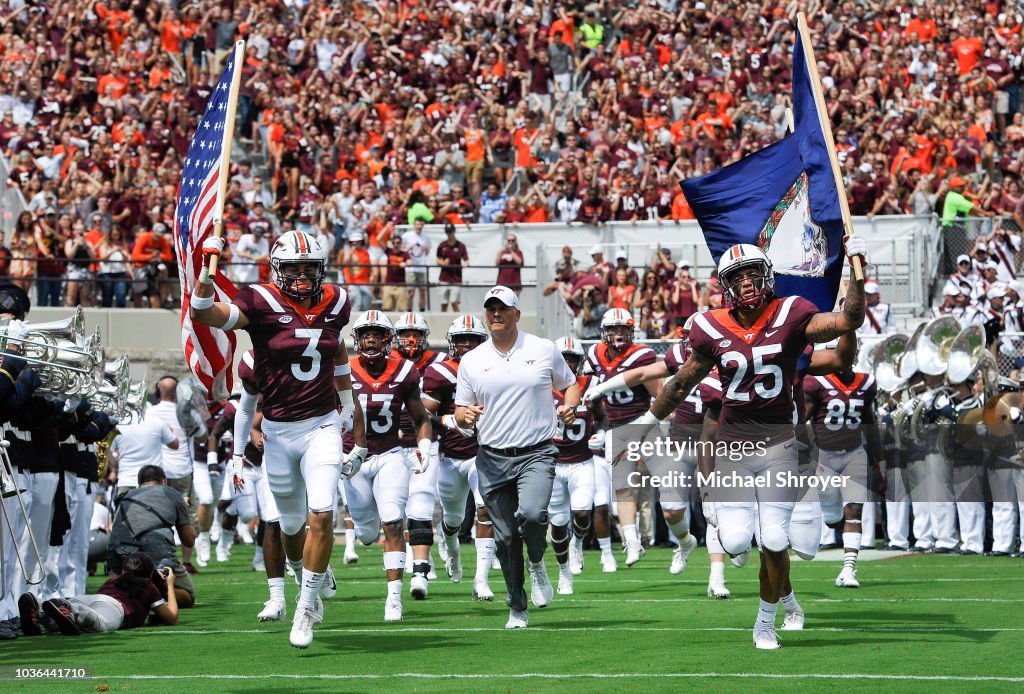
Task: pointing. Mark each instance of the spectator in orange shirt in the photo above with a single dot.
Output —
(151, 255)
(922, 25)
(356, 259)
(967, 51)
(681, 208)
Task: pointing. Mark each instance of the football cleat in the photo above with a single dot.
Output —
(258, 563)
(765, 638)
(717, 589)
(203, 549)
(453, 566)
(29, 611)
(60, 612)
(273, 611)
(393, 608)
(329, 588)
(793, 621)
(418, 587)
(634, 550)
(517, 620)
(847, 578)
(540, 585)
(741, 559)
(608, 563)
(576, 556)
(564, 581)
(432, 574)
(245, 535)
(482, 591)
(302, 627)
(215, 533)
(682, 553)
(350, 555)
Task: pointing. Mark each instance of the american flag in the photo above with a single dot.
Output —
(208, 351)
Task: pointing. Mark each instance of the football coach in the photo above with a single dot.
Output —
(504, 390)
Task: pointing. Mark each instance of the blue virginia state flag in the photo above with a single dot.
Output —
(782, 199)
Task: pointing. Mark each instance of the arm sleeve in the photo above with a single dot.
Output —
(243, 421)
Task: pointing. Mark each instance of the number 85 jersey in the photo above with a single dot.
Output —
(756, 367)
(294, 349)
(839, 417)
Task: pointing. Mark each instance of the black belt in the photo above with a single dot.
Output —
(516, 452)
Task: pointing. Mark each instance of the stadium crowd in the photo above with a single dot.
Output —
(360, 116)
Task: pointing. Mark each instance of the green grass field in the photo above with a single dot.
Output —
(919, 623)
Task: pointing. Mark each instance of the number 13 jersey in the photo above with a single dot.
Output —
(295, 349)
(756, 367)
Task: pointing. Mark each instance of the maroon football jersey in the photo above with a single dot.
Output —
(625, 405)
(245, 372)
(756, 367)
(382, 398)
(406, 431)
(572, 440)
(690, 413)
(839, 417)
(802, 365)
(294, 349)
(439, 384)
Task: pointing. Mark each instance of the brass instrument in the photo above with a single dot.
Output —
(66, 361)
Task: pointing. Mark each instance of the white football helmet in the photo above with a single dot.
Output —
(411, 346)
(571, 349)
(685, 339)
(612, 324)
(461, 326)
(292, 248)
(745, 255)
(367, 321)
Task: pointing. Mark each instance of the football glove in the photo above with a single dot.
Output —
(596, 442)
(352, 462)
(710, 510)
(235, 473)
(419, 463)
(856, 245)
(448, 422)
(348, 410)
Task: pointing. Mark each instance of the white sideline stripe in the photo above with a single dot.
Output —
(659, 582)
(559, 629)
(566, 676)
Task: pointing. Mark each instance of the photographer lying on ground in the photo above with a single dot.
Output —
(123, 602)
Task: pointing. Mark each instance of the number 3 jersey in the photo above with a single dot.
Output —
(839, 419)
(621, 406)
(756, 367)
(382, 399)
(295, 349)
(573, 440)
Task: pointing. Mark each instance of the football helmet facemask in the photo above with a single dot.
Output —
(465, 327)
(617, 328)
(372, 334)
(746, 256)
(572, 352)
(412, 331)
(289, 251)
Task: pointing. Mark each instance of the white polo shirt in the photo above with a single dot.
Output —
(177, 462)
(138, 445)
(515, 390)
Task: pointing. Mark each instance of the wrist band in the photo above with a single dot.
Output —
(232, 320)
(201, 303)
(342, 370)
(204, 276)
(345, 398)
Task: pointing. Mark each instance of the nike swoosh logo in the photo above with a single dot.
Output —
(769, 333)
(328, 320)
(324, 426)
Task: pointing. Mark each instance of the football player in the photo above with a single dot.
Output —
(301, 367)
(411, 333)
(456, 475)
(756, 344)
(378, 495)
(840, 410)
(573, 488)
(614, 355)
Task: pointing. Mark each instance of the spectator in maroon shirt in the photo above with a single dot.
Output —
(451, 255)
(510, 263)
(393, 295)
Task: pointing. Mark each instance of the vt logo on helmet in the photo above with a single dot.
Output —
(746, 276)
(372, 334)
(298, 265)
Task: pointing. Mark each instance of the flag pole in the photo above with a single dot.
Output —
(225, 163)
(826, 129)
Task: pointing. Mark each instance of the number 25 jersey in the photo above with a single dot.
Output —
(294, 349)
(756, 367)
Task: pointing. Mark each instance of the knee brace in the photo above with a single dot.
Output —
(421, 533)
(555, 533)
(482, 517)
(580, 524)
(560, 519)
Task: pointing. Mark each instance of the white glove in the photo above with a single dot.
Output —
(421, 461)
(213, 245)
(212, 461)
(449, 422)
(855, 245)
(599, 390)
(348, 410)
(235, 473)
(710, 509)
(352, 462)
(17, 330)
(596, 442)
(980, 429)
(1015, 414)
